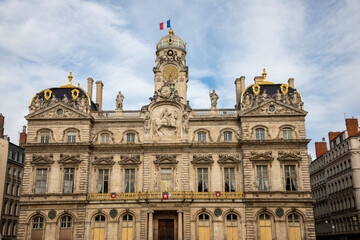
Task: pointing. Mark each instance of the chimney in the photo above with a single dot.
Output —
(352, 126)
(2, 121)
(239, 87)
(320, 148)
(258, 79)
(99, 90)
(23, 136)
(90, 87)
(332, 135)
(291, 82)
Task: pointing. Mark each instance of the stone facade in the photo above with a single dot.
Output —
(335, 184)
(167, 171)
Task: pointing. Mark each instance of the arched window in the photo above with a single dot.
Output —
(65, 228)
(287, 133)
(99, 227)
(260, 134)
(231, 227)
(105, 138)
(130, 137)
(37, 228)
(265, 227)
(294, 227)
(204, 227)
(227, 136)
(127, 227)
(201, 136)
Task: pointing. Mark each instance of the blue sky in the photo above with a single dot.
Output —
(315, 42)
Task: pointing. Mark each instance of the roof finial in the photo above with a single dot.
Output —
(264, 74)
(171, 32)
(70, 78)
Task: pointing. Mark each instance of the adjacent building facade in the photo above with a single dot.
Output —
(335, 182)
(11, 172)
(167, 171)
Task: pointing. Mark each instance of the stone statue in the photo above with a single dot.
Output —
(167, 119)
(185, 123)
(147, 122)
(53, 99)
(277, 95)
(264, 96)
(83, 106)
(213, 98)
(247, 101)
(66, 100)
(119, 101)
(36, 104)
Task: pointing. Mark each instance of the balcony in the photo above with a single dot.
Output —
(171, 196)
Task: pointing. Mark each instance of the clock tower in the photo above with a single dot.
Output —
(171, 69)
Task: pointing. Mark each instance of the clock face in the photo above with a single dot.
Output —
(170, 72)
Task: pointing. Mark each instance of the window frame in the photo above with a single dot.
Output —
(231, 179)
(71, 137)
(287, 133)
(205, 181)
(290, 177)
(262, 177)
(259, 133)
(228, 136)
(130, 137)
(201, 136)
(42, 181)
(107, 185)
(128, 180)
(45, 137)
(65, 179)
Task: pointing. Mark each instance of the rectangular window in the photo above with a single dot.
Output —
(105, 138)
(71, 137)
(202, 136)
(229, 175)
(165, 179)
(129, 180)
(103, 181)
(130, 137)
(290, 178)
(287, 134)
(44, 138)
(203, 185)
(262, 178)
(227, 136)
(40, 182)
(260, 134)
(69, 180)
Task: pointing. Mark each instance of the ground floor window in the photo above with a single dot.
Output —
(65, 228)
(99, 227)
(127, 227)
(204, 227)
(231, 227)
(294, 227)
(265, 227)
(37, 228)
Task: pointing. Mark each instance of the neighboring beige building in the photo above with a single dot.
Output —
(11, 171)
(167, 171)
(335, 182)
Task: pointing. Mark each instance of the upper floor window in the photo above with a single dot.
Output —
(105, 138)
(227, 136)
(40, 182)
(260, 134)
(287, 133)
(130, 137)
(203, 185)
(262, 178)
(71, 137)
(103, 181)
(201, 136)
(165, 179)
(129, 180)
(44, 137)
(229, 175)
(290, 178)
(69, 180)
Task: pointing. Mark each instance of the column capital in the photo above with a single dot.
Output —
(179, 211)
(151, 211)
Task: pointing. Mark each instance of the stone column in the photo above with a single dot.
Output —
(150, 236)
(180, 222)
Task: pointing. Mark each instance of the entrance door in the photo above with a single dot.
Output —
(166, 229)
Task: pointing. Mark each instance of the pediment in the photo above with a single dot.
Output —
(130, 160)
(273, 107)
(229, 159)
(261, 156)
(202, 159)
(58, 110)
(289, 156)
(69, 159)
(165, 159)
(42, 159)
(103, 161)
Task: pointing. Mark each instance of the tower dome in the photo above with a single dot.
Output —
(170, 40)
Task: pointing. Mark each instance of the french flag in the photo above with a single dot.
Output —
(167, 25)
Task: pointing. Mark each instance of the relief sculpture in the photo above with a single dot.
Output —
(167, 120)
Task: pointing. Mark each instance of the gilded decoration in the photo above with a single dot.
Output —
(284, 89)
(42, 159)
(75, 93)
(47, 94)
(229, 159)
(202, 159)
(165, 159)
(256, 89)
(289, 156)
(261, 156)
(103, 161)
(66, 159)
(130, 160)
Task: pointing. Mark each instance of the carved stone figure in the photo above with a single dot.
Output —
(247, 102)
(166, 119)
(147, 122)
(83, 104)
(166, 92)
(278, 95)
(53, 99)
(213, 98)
(66, 100)
(36, 104)
(185, 123)
(264, 96)
(119, 101)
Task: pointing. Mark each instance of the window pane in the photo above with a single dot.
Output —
(260, 134)
(44, 137)
(71, 137)
(229, 175)
(130, 137)
(69, 180)
(202, 136)
(40, 181)
(103, 181)
(290, 178)
(227, 136)
(262, 178)
(287, 133)
(165, 179)
(203, 180)
(129, 180)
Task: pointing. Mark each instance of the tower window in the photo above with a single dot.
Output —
(287, 133)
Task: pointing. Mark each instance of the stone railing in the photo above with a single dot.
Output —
(160, 195)
(119, 114)
(215, 112)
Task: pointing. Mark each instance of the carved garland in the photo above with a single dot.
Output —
(130, 160)
(261, 156)
(42, 159)
(165, 159)
(202, 159)
(229, 159)
(69, 159)
(103, 161)
(289, 156)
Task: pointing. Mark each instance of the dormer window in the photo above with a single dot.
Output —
(227, 136)
(44, 137)
(130, 137)
(71, 137)
(105, 138)
(260, 134)
(201, 136)
(287, 133)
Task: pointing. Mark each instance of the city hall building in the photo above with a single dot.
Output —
(167, 171)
